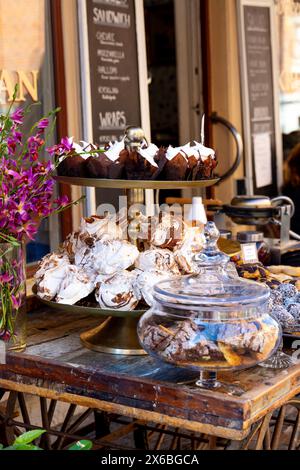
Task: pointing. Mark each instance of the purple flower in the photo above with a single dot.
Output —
(5, 335)
(17, 116)
(16, 301)
(43, 124)
(65, 146)
(67, 143)
(17, 136)
(11, 145)
(62, 201)
(5, 278)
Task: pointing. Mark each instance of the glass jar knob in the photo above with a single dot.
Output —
(211, 255)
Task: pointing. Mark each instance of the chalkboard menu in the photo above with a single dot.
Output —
(259, 98)
(113, 67)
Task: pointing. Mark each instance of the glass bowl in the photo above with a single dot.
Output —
(211, 321)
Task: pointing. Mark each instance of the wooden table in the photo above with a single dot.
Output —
(56, 367)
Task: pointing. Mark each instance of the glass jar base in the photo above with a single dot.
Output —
(208, 381)
(280, 360)
(209, 384)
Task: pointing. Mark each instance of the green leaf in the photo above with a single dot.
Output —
(1, 446)
(22, 447)
(81, 445)
(29, 436)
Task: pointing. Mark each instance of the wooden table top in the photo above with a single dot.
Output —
(56, 365)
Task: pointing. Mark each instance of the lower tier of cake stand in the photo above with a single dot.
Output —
(115, 335)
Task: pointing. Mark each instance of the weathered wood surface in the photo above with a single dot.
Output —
(56, 365)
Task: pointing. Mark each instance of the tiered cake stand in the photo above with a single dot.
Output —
(117, 332)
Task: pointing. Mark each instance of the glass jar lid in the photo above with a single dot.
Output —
(213, 286)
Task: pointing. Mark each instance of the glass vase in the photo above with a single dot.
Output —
(13, 296)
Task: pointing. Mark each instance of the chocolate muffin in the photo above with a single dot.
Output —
(138, 167)
(108, 165)
(73, 166)
(97, 167)
(160, 159)
(176, 166)
(205, 168)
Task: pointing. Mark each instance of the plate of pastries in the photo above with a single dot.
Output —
(116, 161)
(100, 266)
(284, 283)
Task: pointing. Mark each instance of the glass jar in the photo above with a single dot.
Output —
(263, 249)
(13, 296)
(210, 321)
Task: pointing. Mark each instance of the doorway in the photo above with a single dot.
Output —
(173, 41)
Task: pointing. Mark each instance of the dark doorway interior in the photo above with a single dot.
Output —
(161, 58)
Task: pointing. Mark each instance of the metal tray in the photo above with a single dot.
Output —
(133, 184)
(81, 309)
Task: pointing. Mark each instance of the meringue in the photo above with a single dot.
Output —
(51, 272)
(108, 257)
(162, 231)
(102, 228)
(146, 280)
(75, 242)
(191, 244)
(75, 286)
(157, 260)
(119, 292)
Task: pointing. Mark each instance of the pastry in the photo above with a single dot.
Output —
(185, 251)
(75, 286)
(284, 317)
(287, 290)
(292, 271)
(153, 163)
(255, 271)
(146, 280)
(193, 157)
(109, 164)
(162, 231)
(281, 277)
(75, 242)
(231, 357)
(118, 292)
(176, 166)
(294, 310)
(74, 164)
(201, 160)
(101, 228)
(49, 276)
(161, 159)
(108, 257)
(157, 260)
(79, 244)
(141, 163)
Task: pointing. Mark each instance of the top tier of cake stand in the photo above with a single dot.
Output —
(135, 184)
